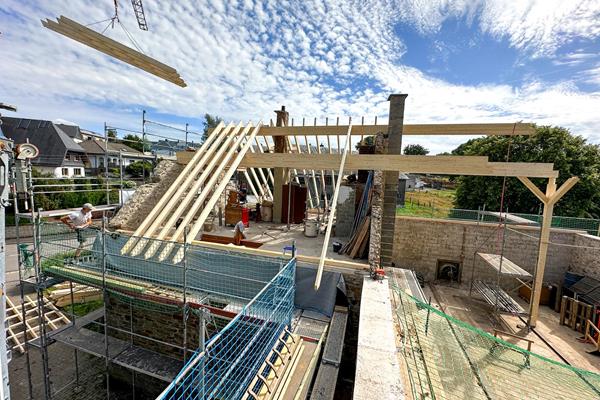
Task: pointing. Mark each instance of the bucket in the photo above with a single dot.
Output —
(266, 212)
(311, 228)
(337, 246)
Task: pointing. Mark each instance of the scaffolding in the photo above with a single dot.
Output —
(226, 304)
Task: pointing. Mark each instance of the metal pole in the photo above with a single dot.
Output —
(289, 205)
(121, 176)
(106, 163)
(22, 291)
(105, 298)
(185, 309)
(143, 144)
(186, 135)
(75, 355)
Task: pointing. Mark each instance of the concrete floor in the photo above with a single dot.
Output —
(276, 236)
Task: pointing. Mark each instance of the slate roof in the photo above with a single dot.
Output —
(71, 130)
(48, 137)
(97, 147)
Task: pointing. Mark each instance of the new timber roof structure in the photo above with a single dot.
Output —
(341, 160)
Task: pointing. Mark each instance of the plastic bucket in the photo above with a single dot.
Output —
(311, 228)
(266, 213)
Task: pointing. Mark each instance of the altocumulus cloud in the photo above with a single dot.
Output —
(243, 58)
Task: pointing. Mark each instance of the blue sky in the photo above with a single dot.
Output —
(459, 61)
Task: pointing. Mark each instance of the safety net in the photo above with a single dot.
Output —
(449, 359)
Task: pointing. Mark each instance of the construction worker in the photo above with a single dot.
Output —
(78, 221)
(238, 233)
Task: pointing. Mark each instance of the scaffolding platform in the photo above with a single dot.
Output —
(495, 295)
(504, 266)
(121, 352)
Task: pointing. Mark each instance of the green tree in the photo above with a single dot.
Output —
(415, 150)
(571, 155)
(111, 133)
(139, 168)
(136, 142)
(210, 121)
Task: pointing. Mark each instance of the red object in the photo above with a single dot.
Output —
(246, 216)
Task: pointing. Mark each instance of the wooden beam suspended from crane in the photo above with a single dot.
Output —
(110, 47)
(502, 129)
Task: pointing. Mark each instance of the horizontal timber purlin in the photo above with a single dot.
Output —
(445, 165)
(409, 129)
(108, 46)
(330, 263)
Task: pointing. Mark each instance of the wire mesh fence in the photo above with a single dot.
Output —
(233, 357)
(449, 359)
(591, 226)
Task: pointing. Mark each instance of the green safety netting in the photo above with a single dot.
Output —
(449, 359)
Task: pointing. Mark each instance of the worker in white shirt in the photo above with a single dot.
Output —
(78, 221)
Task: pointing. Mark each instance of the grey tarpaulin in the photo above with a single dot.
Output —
(322, 300)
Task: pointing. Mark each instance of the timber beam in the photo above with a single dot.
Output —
(502, 129)
(442, 165)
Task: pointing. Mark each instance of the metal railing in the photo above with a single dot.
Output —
(232, 358)
(591, 226)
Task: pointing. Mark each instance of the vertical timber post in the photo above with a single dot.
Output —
(390, 193)
(279, 174)
(534, 302)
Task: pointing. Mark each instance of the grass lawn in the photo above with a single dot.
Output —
(429, 203)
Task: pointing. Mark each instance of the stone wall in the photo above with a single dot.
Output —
(154, 324)
(139, 205)
(586, 259)
(421, 242)
(345, 211)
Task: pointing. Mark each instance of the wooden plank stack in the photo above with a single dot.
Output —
(108, 46)
(17, 327)
(358, 245)
(61, 296)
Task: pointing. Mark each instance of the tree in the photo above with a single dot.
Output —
(111, 133)
(415, 150)
(571, 155)
(136, 142)
(210, 121)
(139, 168)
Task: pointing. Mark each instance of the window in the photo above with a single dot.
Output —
(101, 161)
(76, 158)
(77, 172)
(65, 171)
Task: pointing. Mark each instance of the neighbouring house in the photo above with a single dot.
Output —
(60, 154)
(117, 154)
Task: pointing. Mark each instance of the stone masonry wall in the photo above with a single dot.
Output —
(421, 242)
(135, 210)
(164, 326)
(586, 261)
(345, 211)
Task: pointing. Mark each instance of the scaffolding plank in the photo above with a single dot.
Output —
(149, 363)
(504, 266)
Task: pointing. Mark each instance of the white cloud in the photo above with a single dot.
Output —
(242, 60)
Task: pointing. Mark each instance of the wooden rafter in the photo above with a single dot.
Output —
(336, 192)
(503, 129)
(208, 189)
(108, 46)
(194, 160)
